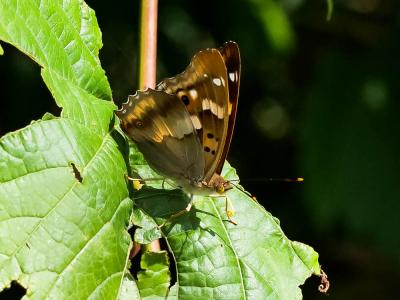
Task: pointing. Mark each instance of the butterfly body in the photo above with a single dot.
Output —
(184, 126)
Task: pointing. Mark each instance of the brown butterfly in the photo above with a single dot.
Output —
(184, 127)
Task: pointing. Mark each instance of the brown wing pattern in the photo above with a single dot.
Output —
(231, 55)
(204, 88)
(161, 127)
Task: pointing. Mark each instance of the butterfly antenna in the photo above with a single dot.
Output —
(298, 179)
(240, 188)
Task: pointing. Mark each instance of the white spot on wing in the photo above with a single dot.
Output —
(195, 121)
(216, 109)
(217, 81)
(206, 104)
(232, 76)
(193, 94)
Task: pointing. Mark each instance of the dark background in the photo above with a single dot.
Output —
(318, 100)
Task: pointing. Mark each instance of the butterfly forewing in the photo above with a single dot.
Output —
(231, 55)
(203, 88)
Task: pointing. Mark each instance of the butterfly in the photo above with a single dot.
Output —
(184, 126)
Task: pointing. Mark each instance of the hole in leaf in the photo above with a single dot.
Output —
(77, 174)
(15, 291)
(135, 260)
(172, 265)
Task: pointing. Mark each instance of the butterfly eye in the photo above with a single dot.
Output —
(185, 100)
(138, 123)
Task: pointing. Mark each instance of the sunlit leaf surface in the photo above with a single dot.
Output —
(63, 199)
(216, 259)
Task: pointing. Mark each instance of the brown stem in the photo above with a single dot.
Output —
(147, 58)
(148, 44)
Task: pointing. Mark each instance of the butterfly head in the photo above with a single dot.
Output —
(219, 184)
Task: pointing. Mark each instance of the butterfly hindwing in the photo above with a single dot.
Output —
(161, 127)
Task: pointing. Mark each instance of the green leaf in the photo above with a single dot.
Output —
(147, 230)
(329, 12)
(129, 289)
(161, 203)
(173, 292)
(276, 23)
(218, 260)
(61, 36)
(64, 202)
(153, 280)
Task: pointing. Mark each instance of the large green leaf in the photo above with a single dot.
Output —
(216, 259)
(64, 203)
(154, 279)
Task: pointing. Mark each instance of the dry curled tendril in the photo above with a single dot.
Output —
(324, 285)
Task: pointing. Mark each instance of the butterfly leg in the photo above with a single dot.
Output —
(139, 182)
(179, 213)
(241, 189)
(229, 209)
(137, 185)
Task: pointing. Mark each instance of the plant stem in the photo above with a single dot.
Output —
(148, 58)
(148, 44)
